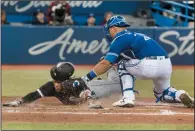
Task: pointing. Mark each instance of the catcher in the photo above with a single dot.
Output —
(70, 91)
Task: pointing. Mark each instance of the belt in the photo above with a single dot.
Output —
(156, 57)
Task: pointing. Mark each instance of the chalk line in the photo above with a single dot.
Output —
(160, 113)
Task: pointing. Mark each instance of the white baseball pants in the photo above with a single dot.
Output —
(158, 70)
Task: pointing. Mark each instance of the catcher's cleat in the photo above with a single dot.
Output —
(187, 100)
(124, 102)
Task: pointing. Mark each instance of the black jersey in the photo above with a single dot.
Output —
(67, 95)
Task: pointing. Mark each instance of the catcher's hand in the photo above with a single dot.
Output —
(13, 103)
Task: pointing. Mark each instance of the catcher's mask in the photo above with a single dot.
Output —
(62, 71)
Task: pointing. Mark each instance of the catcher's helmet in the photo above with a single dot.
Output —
(118, 21)
(62, 71)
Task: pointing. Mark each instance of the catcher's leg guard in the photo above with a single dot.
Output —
(126, 81)
(127, 86)
(171, 95)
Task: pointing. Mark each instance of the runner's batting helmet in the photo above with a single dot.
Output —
(62, 71)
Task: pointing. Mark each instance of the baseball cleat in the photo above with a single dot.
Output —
(124, 102)
(187, 100)
(13, 103)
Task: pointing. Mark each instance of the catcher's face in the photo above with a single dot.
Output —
(112, 31)
(58, 86)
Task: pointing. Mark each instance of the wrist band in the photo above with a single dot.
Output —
(91, 75)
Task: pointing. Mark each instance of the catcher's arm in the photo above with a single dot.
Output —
(45, 90)
(102, 67)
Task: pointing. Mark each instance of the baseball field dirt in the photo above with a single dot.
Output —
(51, 111)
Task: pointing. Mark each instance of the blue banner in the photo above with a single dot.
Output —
(77, 7)
(83, 45)
(178, 42)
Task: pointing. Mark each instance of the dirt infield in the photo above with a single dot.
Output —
(51, 110)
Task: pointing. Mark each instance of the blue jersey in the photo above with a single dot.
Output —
(138, 44)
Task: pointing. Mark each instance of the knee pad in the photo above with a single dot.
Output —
(125, 78)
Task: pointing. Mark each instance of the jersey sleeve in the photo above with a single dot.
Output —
(116, 48)
(47, 89)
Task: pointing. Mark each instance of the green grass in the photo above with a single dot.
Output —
(72, 126)
(21, 82)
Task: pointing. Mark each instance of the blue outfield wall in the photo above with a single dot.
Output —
(83, 45)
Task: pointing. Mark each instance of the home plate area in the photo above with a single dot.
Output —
(51, 110)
